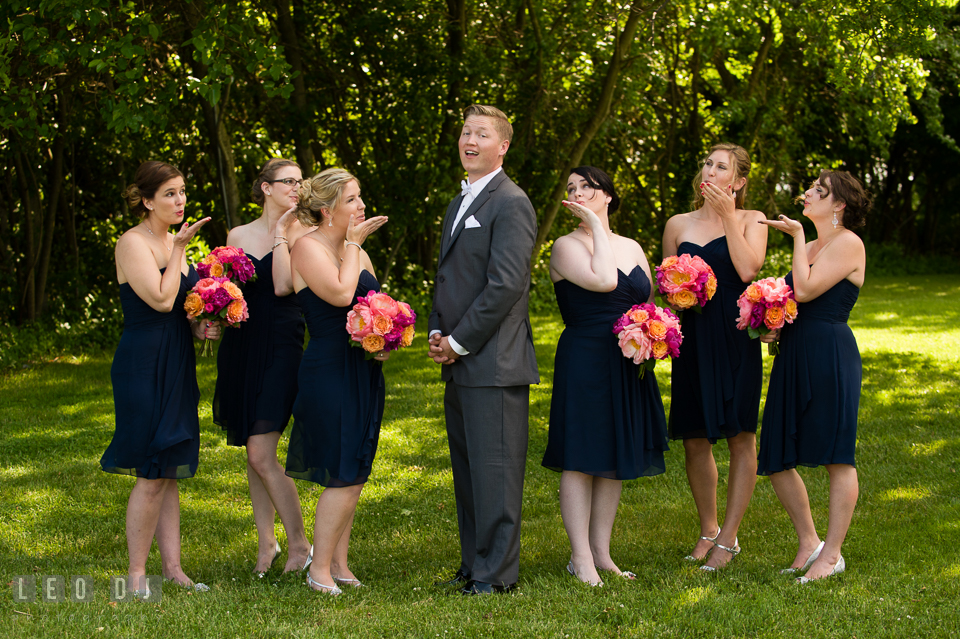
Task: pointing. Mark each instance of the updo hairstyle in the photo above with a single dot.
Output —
(149, 177)
(599, 180)
(267, 174)
(740, 160)
(848, 189)
(322, 191)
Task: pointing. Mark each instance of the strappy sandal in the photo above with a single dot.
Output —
(319, 587)
(712, 540)
(733, 551)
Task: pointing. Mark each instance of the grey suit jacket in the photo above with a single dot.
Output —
(482, 288)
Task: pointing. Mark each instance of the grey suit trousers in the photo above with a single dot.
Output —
(487, 433)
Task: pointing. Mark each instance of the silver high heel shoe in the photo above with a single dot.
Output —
(276, 553)
(319, 587)
(839, 567)
(806, 565)
(710, 539)
(733, 552)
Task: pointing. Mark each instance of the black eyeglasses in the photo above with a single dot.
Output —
(287, 181)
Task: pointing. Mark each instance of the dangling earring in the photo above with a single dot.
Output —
(331, 221)
(835, 220)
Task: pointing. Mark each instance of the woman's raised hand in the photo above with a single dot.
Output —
(286, 221)
(723, 201)
(581, 212)
(187, 231)
(787, 225)
(359, 232)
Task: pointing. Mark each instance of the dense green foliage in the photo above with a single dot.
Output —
(90, 89)
(63, 516)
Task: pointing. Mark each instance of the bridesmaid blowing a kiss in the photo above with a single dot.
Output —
(810, 416)
(716, 381)
(155, 392)
(606, 423)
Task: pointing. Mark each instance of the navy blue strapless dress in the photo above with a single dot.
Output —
(810, 417)
(716, 382)
(604, 419)
(339, 406)
(257, 362)
(155, 393)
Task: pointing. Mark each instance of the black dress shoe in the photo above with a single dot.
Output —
(459, 578)
(483, 588)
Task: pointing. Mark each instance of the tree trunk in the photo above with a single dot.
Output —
(589, 130)
(52, 205)
(301, 120)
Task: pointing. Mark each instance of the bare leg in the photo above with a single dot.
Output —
(335, 509)
(793, 495)
(576, 495)
(702, 476)
(168, 535)
(271, 488)
(339, 567)
(844, 490)
(604, 503)
(143, 513)
(743, 479)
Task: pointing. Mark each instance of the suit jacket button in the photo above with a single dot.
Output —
(441, 279)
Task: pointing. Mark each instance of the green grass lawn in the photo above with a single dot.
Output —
(60, 515)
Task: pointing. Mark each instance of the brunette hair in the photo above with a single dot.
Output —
(848, 189)
(598, 179)
(740, 160)
(322, 191)
(149, 177)
(267, 174)
(500, 121)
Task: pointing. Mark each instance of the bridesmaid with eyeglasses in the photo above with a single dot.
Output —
(258, 361)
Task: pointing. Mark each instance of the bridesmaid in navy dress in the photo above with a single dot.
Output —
(341, 393)
(810, 417)
(606, 424)
(155, 393)
(258, 361)
(716, 381)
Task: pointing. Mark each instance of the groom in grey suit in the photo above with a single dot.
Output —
(480, 333)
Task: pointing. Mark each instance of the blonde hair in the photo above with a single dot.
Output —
(741, 169)
(500, 121)
(322, 191)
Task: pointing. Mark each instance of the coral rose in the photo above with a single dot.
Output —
(373, 343)
(773, 318)
(193, 305)
(381, 324)
(753, 293)
(658, 349)
(638, 315)
(382, 304)
(790, 308)
(233, 290)
(656, 329)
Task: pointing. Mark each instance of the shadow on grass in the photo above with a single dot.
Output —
(906, 304)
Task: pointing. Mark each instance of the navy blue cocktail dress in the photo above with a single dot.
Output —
(339, 405)
(716, 382)
(810, 417)
(155, 393)
(257, 362)
(604, 419)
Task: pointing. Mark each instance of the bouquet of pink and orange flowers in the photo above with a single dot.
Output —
(647, 333)
(229, 262)
(380, 323)
(217, 296)
(766, 306)
(686, 281)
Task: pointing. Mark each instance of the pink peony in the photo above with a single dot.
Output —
(382, 304)
(358, 322)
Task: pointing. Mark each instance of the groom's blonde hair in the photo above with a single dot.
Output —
(500, 121)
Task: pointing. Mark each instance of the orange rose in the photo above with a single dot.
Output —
(659, 349)
(711, 287)
(373, 343)
(790, 308)
(637, 316)
(407, 338)
(233, 289)
(669, 261)
(656, 329)
(683, 299)
(193, 305)
(381, 324)
(753, 293)
(774, 317)
(237, 311)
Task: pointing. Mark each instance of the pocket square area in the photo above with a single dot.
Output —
(471, 223)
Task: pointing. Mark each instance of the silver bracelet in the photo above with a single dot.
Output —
(282, 240)
(355, 244)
